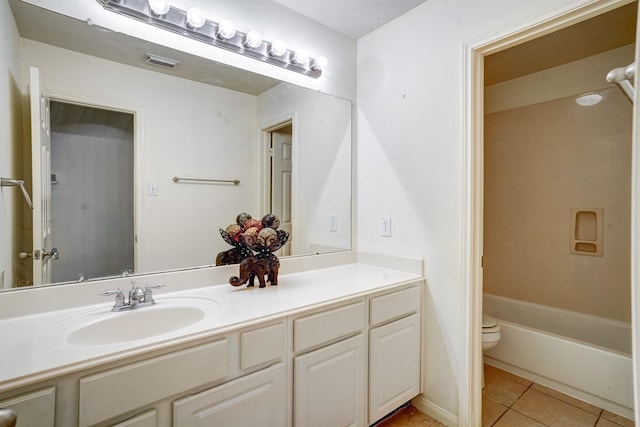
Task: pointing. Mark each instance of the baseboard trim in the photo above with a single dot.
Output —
(434, 411)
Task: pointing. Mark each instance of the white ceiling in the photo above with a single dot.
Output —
(353, 18)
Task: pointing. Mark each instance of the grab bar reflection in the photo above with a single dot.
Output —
(211, 181)
(9, 182)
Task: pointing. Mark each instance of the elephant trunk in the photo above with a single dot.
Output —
(236, 281)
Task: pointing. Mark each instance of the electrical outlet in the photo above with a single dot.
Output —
(152, 188)
(385, 226)
(333, 223)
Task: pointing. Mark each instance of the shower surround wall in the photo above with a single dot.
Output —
(541, 161)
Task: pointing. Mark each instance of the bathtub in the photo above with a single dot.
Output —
(584, 356)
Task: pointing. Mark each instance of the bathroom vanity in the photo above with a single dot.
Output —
(335, 345)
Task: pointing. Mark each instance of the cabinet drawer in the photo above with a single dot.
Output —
(148, 419)
(258, 399)
(262, 345)
(108, 394)
(394, 305)
(327, 326)
(33, 409)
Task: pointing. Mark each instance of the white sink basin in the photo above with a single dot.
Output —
(104, 327)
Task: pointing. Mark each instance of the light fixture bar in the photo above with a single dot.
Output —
(175, 20)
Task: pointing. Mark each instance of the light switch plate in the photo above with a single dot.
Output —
(152, 188)
(333, 223)
(385, 226)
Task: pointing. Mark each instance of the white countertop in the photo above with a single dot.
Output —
(30, 353)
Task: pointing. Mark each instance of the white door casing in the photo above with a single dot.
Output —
(635, 235)
(43, 254)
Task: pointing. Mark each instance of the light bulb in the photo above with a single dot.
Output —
(301, 57)
(226, 29)
(195, 18)
(159, 7)
(320, 63)
(278, 48)
(253, 39)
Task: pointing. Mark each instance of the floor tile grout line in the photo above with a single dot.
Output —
(599, 417)
(530, 386)
(518, 412)
(498, 419)
(520, 396)
(569, 403)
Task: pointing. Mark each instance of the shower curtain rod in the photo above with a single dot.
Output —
(622, 76)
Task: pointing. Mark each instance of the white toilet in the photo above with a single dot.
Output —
(490, 332)
(490, 335)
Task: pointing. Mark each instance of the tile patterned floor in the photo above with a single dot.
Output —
(512, 401)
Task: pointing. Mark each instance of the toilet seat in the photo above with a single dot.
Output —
(490, 329)
(488, 321)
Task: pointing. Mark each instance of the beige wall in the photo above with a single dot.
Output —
(541, 160)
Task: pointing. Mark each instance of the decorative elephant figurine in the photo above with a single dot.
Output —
(259, 267)
(231, 256)
(274, 266)
(250, 268)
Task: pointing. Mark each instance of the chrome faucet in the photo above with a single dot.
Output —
(138, 297)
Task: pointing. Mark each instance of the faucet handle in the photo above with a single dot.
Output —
(111, 292)
(119, 297)
(148, 295)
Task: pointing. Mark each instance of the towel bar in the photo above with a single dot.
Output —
(211, 181)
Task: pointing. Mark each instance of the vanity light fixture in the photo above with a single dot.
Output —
(159, 7)
(192, 23)
(253, 39)
(278, 48)
(301, 57)
(195, 18)
(320, 63)
(226, 29)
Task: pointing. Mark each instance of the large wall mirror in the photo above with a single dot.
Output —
(121, 129)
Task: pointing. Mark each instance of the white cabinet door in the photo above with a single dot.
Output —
(329, 385)
(394, 365)
(259, 399)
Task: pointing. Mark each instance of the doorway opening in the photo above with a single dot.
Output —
(279, 161)
(92, 191)
(479, 55)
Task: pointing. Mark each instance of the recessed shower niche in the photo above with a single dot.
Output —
(586, 231)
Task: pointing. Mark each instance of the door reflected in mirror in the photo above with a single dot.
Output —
(280, 155)
(92, 215)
